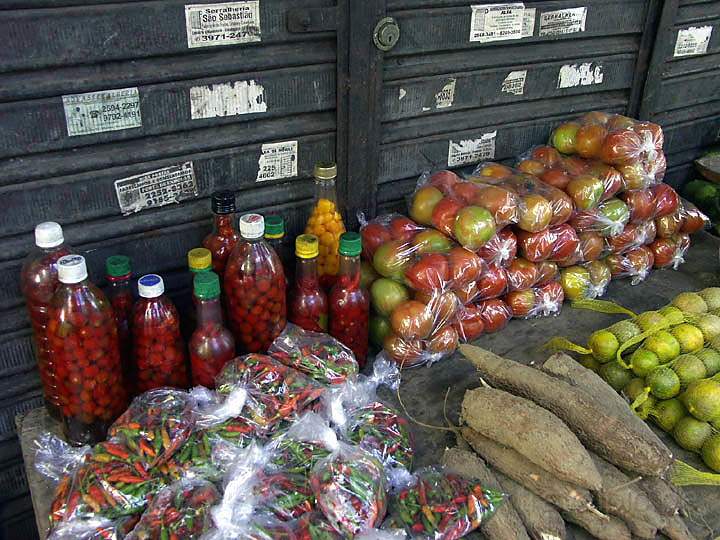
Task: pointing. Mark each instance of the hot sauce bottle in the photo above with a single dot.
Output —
(199, 261)
(212, 345)
(254, 285)
(277, 239)
(308, 301)
(325, 222)
(85, 351)
(159, 357)
(349, 302)
(38, 281)
(223, 238)
(119, 292)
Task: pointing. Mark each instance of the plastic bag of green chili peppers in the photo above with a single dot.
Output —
(306, 442)
(315, 354)
(443, 506)
(93, 529)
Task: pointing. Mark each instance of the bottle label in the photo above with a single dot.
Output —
(156, 188)
(229, 23)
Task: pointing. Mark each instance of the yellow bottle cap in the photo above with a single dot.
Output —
(199, 259)
(325, 170)
(307, 246)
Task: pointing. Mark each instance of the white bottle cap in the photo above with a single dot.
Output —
(252, 226)
(150, 286)
(48, 234)
(72, 269)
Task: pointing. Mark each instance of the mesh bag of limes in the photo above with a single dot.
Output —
(667, 365)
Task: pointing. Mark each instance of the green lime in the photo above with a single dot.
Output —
(689, 368)
(702, 399)
(711, 295)
(645, 408)
(588, 361)
(663, 383)
(664, 345)
(672, 315)
(667, 413)
(624, 330)
(634, 388)
(711, 452)
(691, 433)
(689, 337)
(709, 325)
(690, 302)
(651, 320)
(643, 362)
(604, 345)
(615, 375)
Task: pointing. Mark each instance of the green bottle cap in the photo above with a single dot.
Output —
(274, 227)
(350, 244)
(207, 285)
(117, 266)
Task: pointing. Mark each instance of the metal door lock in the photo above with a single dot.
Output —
(386, 34)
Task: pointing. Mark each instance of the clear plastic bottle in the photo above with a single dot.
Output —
(326, 222)
(120, 294)
(85, 352)
(224, 236)
(308, 301)
(212, 345)
(254, 286)
(159, 357)
(199, 260)
(39, 281)
(349, 302)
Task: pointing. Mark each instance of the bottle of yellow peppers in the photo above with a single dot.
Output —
(326, 222)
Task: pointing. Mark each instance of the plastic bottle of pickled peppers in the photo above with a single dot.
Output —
(349, 302)
(159, 357)
(254, 287)
(120, 294)
(39, 281)
(85, 351)
(326, 222)
(212, 345)
(308, 301)
(224, 236)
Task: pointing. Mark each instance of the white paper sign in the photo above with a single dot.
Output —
(514, 83)
(229, 23)
(586, 74)
(693, 40)
(496, 22)
(156, 188)
(277, 160)
(563, 21)
(445, 97)
(96, 112)
(528, 27)
(227, 99)
(471, 150)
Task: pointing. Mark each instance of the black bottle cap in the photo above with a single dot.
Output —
(223, 202)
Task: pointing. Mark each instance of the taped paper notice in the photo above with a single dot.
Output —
(563, 21)
(445, 97)
(528, 27)
(514, 83)
(277, 160)
(96, 112)
(229, 23)
(693, 40)
(156, 188)
(586, 74)
(227, 99)
(471, 150)
(496, 22)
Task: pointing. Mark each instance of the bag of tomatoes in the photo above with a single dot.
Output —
(484, 317)
(585, 282)
(693, 219)
(635, 264)
(552, 244)
(607, 219)
(501, 249)
(685, 219)
(669, 252)
(542, 301)
(633, 236)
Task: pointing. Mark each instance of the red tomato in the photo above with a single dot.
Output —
(468, 293)
(641, 204)
(412, 320)
(591, 246)
(465, 266)
(589, 140)
(667, 200)
(531, 166)
(556, 178)
(501, 249)
(403, 228)
(501, 202)
(536, 246)
(469, 323)
(693, 220)
(405, 353)
(565, 242)
(521, 274)
(444, 341)
(668, 226)
(621, 148)
(562, 206)
(495, 314)
(431, 272)
(465, 192)
(664, 252)
(547, 271)
(651, 132)
(574, 165)
(547, 155)
(444, 180)
(373, 236)
(495, 170)
(641, 259)
(550, 298)
(610, 177)
(493, 282)
(444, 214)
(522, 303)
(442, 306)
(595, 117)
(534, 213)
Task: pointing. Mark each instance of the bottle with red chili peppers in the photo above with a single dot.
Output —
(254, 286)
(38, 281)
(199, 260)
(85, 351)
(349, 302)
(159, 357)
(224, 236)
(212, 345)
(120, 294)
(277, 239)
(308, 301)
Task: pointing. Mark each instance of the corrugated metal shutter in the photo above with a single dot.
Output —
(174, 108)
(440, 88)
(683, 84)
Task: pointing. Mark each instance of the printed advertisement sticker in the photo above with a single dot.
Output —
(156, 188)
(97, 112)
(229, 23)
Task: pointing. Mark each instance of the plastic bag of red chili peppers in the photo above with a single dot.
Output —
(443, 506)
(180, 511)
(275, 391)
(298, 450)
(94, 529)
(317, 355)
